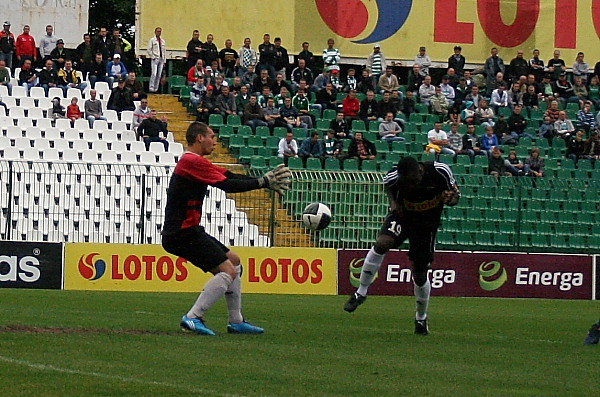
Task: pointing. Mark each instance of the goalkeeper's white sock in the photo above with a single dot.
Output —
(369, 270)
(233, 296)
(422, 297)
(214, 289)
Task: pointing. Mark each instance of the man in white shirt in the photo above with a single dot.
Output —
(288, 147)
(157, 52)
(438, 137)
(423, 60)
(499, 98)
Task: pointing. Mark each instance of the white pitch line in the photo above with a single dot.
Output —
(48, 367)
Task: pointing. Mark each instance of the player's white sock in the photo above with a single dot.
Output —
(233, 296)
(422, 297)
(369, 270)
(214, 289)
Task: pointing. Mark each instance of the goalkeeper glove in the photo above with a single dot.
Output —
(277, 179)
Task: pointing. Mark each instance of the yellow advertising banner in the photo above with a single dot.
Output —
(400, 26)
(125, 267)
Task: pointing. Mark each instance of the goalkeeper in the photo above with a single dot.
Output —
(183, 236)
(418, 192)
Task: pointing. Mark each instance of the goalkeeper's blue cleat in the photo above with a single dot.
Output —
(244, 328)
(593, 336)
(195, 325)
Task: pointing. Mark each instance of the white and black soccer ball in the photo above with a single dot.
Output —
(316, 216)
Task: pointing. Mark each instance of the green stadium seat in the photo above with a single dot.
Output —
(329, 114)
(295, 163)
(368, 165)
(313, 164)
(176, 83)
(323, 125)
(236, 142)
(215, 121)
(374, 126)
(225, 132)
(255, 141)
(258, 163)
(272, 142)
(381, 147)
(234, 120)
(280, 132)
(358, 126)
(421, 108)
(244, 131)
(246, 153)
(274, 161)
(264, 152)
(350, 165)
(332, 164)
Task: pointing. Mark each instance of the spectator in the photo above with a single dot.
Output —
(198, 92)
(85, 54)
(228, 59)
(194, 49)
(48, 76)
(518, 67)
(116, 69)
(426, 91)
(389, 130)
(448, 90)
(535, 164)
(226, 103)
(439, 104)
(457, 61)
(327, 97)
(474, 96)
(136, 87)
(306, 55)
(209, 51)
(536, 65)
(280, 83)
(149, 130)
(57, 111)
(553, 111)
(366, 83)
(93, 109)
(311, 148)
(499, 98)
(340, 126)
(281, 60)
(489, 140)
(580, 91)
(514, 165)
(547, 130)
(335, 78)
(592, 148)
(5, 77)
(350, 106)
(157, 52)
(461, 91)
(248, 58)
(332, 147)
(266, 59)
(73, 111)
(369, 108)
(376, 63)
(576, 147)
(563, 126)
(453, 78)
(121, 98)
(547, 89)
(493, 65)
(517, 125)
(68, 78)
(531, 98)
(438, 141)
(495, 83)
(195, 72)
(586, 118)
(27, 76)
(59, 54)
(301, 73)
(321, 80)
(423, 60)
(280, 98)
(47, 43)
(408, 104)
(273, 116)
(471, 144)
(141, 113)
(290, 115)
(118, 45)
(484, 114)
(101, 44)
(594, 90)
(7, 45)
(253, 114)
(468, 115)
(415, 79)
(386, 105)
(454, 114)
(388, 81)
(581, 68)
(455, 139)
(301, 102)
(208, 105)
(25, 46)
(264, 97)
(242, 99)
(4, 105)
(219, 83)
(515, 96)
(261, 81)
(331, 55)
(563, 90)
(361, 148)
(496, 164)
(288, 147)
(97, 72)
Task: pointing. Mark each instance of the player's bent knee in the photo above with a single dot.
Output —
(233, 257)
(226, 267)
(383, 244)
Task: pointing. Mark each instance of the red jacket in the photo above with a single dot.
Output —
(25, 46)
(350, 106)
(73, 112)
(192, 76)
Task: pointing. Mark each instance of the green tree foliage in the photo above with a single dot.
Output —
(112, 14)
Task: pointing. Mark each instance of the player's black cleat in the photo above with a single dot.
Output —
(421, 327)
(355, 301)
(593, 335)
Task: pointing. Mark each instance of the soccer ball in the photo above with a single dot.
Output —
(316, 216)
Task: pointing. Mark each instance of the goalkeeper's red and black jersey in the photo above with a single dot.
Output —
(424, 203)
(187, 190)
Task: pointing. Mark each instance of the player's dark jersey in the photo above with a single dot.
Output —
(187, 190)
(424, 203)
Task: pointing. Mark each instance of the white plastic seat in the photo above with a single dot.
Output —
(166, 159)
(61, 145)
(81, 124)
(90, 135)
(54, 92)
(63, 124)
(81, 145)
(101, 86)
(3, 91)
(11, 153)
(71, 134)
(119, 147)
(6, 121)
(19, 92)
(10, 101)
(109, 157)
(148, 158)
(50, 154)
(16, 112)
(128, 136)
(170, 137)
(35, 113)
(129, 157)
(14, 132)
(100, 125)
(24, 122)
(31, 154)
(44, 123)
(74, 92)
(127, 116)
(27, 103)
(22, 143)
(44, 103)
(41, 143)
(109, 136)
(70, 155)
(119, 126)
(176, 148)
(37, 92)
(157, 147)
(111, 115)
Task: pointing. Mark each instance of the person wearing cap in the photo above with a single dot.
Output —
(335, 77)
(116, 69)
(388, 81)
(68, 78)
(423, 60)
(281, 61)
(7, 44)
(59, 54)
(157, 52)
(457, 61)
(47, 43)
(25, 47)
(121, 98)
(376, 63)
(331, 55)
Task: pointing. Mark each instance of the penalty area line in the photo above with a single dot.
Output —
(124, 379)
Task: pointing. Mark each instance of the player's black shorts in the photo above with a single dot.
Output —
(421, 237)
(198, 247)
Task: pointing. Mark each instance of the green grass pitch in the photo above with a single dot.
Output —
(67, 343)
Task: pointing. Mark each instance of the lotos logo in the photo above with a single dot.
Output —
(349, 18)
(491, 276)
(89, 269)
